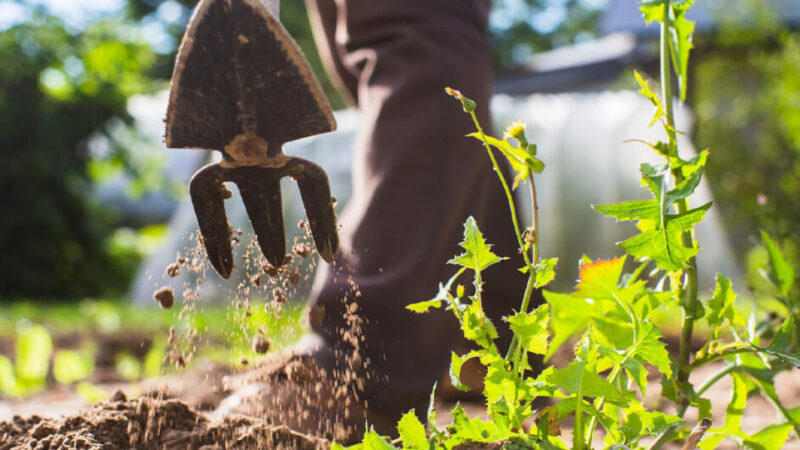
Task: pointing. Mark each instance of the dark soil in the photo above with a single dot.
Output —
(146, 423)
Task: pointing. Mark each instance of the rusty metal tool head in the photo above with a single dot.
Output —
(242, 86)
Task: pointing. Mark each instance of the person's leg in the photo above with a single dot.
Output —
(416, 179)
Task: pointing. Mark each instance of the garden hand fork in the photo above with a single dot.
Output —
(242, 86)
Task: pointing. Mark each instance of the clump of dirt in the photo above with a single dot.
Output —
(260, 345)
(174, 269)
(146, 423)
(165, 297)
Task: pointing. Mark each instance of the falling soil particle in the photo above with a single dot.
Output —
(146, 424)
(301, 250)
(280, 295)
(173, 270)
(165, 297)
(256, 280)
(271, 270)
(292, 278)
(260, 345)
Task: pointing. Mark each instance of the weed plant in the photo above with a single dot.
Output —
(610, 313)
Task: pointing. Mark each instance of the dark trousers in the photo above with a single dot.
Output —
(416, 179)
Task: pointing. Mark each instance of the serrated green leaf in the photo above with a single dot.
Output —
(374, 441)
(423, 307)
(781, 272)
(721, 305)
(736, 404)
(650, 94)
(665, 246)
(794, 414)
(688, 168)
(431, 425)
(633, 210)
(772, 436)
(631, 428)
(785, 343)
(652, 10)
(600, 278)
(681, 45)
(522, 161)
(654, 422)
(650, 349)
(569, 315)
(531, 329)
(476, 326)
(637, 373)
(577, 379)
(711, 441)
(412, 432)
(456, 362)
(499, 382)
(686, 187)
(465, 429)
(478, 255)
(661, 148)
(611, 327)
(544, 272)
(655, 177)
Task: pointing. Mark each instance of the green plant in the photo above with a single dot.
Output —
(612, 313)
(745, 94)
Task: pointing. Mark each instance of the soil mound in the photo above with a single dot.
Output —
(147, 423)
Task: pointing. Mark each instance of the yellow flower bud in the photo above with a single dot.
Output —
(516, 130)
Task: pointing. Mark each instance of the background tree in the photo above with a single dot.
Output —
(59, 87)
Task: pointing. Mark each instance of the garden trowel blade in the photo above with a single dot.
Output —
(240, 74)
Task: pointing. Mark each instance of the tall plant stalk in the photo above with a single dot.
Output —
(689, 301)
(514, 356)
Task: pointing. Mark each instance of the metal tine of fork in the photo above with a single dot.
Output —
(316, 194)
(208, 198)
(261, 193)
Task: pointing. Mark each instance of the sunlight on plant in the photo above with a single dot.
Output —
(613, 315)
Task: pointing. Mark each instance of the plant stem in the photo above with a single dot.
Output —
(612, 378)
(535, 209)
(725, 370)
(690, 289)
(526, 297)
(577, 432)
(509, 195)
(666, 435)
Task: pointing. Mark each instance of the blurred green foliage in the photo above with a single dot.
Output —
(522, 28)
(747, 97)
(59, 87)
(36, 331)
